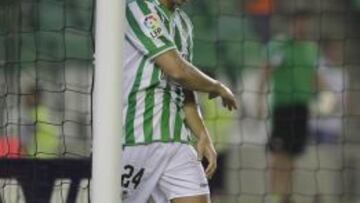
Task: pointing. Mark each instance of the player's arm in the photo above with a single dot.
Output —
(187, 75)
(148, 33)
(194, 121)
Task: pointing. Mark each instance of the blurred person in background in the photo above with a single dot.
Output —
(42, 139)
(326, 125)
(41, 142)
(330, 104)
(260, 12)
(290, 70)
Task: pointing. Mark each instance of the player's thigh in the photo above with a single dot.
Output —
(193, 199)
(142, 168)
(184, 177)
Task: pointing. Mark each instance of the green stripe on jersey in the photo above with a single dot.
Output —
(144, 7)
(178, 119)
(165, 117)
(130, 115)
(149, 106)
(178, 125)
(178, 39)
(190, 48)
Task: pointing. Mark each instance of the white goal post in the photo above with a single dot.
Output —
(107, 106)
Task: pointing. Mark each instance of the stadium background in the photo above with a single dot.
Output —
(49, 44)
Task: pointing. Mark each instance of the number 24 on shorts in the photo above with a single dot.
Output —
(130, 175)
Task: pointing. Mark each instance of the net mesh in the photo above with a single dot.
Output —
(231, 38)
(46, 71)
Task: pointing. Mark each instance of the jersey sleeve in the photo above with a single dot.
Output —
(146, 31)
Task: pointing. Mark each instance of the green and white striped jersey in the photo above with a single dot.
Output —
(153, 103)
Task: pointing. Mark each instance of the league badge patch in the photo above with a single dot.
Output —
(152, 22)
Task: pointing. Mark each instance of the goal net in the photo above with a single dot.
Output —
(46, 71)
(233, 41)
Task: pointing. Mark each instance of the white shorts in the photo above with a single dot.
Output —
(163, 171)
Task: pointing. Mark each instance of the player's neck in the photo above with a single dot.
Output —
(169, 4)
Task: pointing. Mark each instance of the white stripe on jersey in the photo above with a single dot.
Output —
(172, 119)
(139, 118)
(132, 55)
(185, 133)
(157, 113)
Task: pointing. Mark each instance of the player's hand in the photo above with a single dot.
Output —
(228, 98)
(205, 148)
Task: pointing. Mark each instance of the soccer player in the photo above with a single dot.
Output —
(160, 109)
(291, 69)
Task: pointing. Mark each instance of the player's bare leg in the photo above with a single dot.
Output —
(281, 175)
(193, 199)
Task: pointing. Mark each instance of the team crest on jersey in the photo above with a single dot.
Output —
(152, 22)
